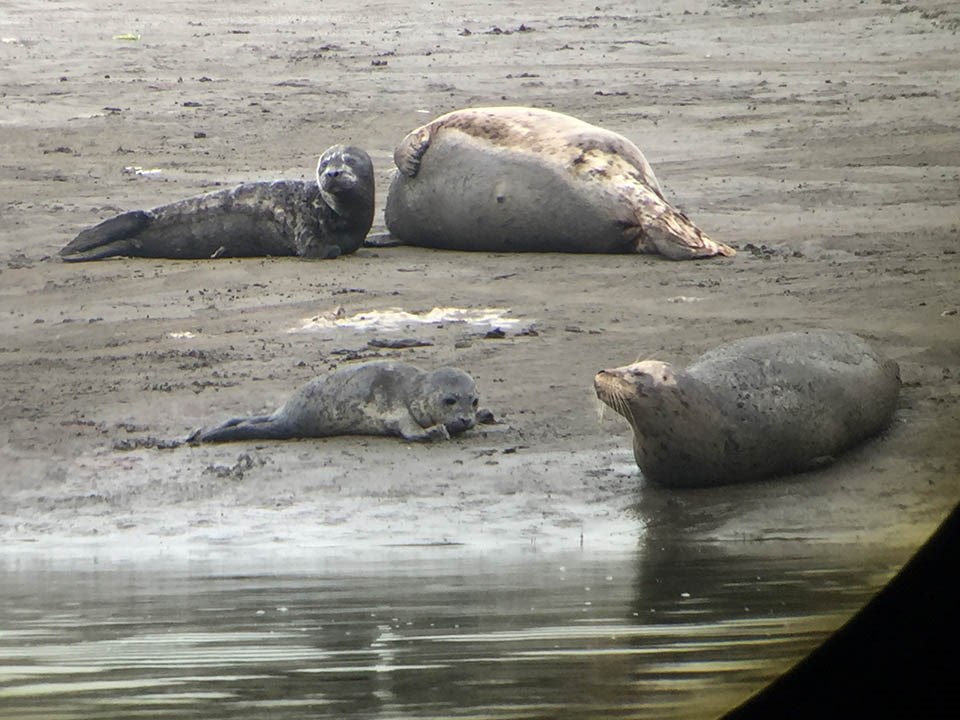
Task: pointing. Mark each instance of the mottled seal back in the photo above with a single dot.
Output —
(755, 408)
(516, 179)
(376, 398)
(321, 219)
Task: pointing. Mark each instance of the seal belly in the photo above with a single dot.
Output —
(471, 195)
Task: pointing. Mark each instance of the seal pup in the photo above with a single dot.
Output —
(376, 398)
(754, 408)
(322, 219)
(518, 179)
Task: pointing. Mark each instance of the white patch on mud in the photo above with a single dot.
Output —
(392, 319)
(143, 172)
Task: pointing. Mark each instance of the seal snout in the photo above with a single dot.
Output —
(611, 390)
(337, 177)
(640, 382)
(459, 425)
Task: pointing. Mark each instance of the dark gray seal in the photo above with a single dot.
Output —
(376, 398)
(754, 408)
(517, 179)
(322, 219)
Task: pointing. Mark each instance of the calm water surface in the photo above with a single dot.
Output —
(417, 632)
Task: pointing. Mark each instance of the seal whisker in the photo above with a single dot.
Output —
(601, 410)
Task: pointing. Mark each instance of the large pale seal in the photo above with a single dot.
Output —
(322, 219)
(754, 408)
(517, 179)
(376, 398)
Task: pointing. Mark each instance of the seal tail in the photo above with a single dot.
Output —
(673, 234)
(114, 236)
(263, 427)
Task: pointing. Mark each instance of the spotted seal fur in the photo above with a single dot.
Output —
(754, 408)
(322, 219)
(519, 179)
(374, 398)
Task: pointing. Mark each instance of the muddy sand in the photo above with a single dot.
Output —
(822, 141)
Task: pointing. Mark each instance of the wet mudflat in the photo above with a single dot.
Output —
(417, 632)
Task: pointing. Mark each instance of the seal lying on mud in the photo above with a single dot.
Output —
(322, 219)
(377, 398)
(755, 408)
(516, 179)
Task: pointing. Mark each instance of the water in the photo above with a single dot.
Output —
(440, 632)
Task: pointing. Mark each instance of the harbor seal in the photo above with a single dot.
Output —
(322, 219)
(754, 408)
(518, 179)
(376, 398)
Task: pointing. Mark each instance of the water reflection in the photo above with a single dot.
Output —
(669, 631)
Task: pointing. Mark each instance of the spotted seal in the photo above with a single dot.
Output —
(519, 179)
(754, 408)
(322, 219)
(375, 398)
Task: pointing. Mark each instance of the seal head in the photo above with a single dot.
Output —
(345, 179)
(653, 396)
(448, 398)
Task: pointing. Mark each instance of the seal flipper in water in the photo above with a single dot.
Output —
(114, 236)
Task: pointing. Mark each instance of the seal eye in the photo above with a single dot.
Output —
(476, 401)
(449, 400)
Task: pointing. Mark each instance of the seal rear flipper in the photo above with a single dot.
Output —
(114, 236)
(264, 427)
(670, 233)
(382, 240)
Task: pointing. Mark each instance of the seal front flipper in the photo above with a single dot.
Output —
(409, 429)
(311, 246)
(114, 236)
(434, 432)
(409, 153)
